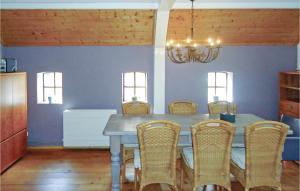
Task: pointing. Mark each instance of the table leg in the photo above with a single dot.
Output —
(115, 142)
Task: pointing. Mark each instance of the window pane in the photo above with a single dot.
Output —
(211, 79)
(141, 94)
(128, 94)
(49, 79)
(58, 79)
(58, 95)
(128, 79)
(221, 79)
(211, 94)
(221, 93)
(140, 79)
(49, 95)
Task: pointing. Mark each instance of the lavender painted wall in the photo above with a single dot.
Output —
(255, 77)
(91, 79)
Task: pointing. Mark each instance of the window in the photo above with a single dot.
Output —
(134, 85)
(49, 88)
(220, 86)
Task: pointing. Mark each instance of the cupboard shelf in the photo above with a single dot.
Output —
(290, 87)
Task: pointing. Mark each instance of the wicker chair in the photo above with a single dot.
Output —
(260, 164)
(132, 108)
(218, 107)
(183, 108)
(135, 108)
(156, 160)
(208, 162)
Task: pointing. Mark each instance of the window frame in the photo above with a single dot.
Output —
(54, 87)
(134, 85)
(215, 87)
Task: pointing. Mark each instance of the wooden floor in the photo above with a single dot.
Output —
(85, 170)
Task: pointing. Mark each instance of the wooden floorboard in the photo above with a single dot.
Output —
(89, 170)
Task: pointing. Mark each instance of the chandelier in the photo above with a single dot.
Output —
(190, 51)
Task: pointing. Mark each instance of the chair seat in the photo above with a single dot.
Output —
(137, 159)
(187, 155)
(238, 157)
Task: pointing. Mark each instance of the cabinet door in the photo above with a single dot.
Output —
(19, 102)
(7, 153)
(13, 149)
(6, 106)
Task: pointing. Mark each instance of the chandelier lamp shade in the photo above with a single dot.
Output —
(188, 50)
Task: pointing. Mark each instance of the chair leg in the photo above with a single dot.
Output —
(204, 188)
(135, 178)
(181, 178)
(175, 188)
(216, 187)
(123, 173)
(141, 188)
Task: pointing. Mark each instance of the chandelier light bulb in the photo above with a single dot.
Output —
(171, 41)
(188, 40)
(218, 41)
(195, 45)
(209, 40)
(212, 44)
(178, 45)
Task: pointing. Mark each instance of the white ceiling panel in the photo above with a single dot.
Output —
(146, 4)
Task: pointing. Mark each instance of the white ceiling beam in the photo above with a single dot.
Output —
(105, 5)
(239, 5)
(149, 4)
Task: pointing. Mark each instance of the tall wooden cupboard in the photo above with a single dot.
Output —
(289, 85)
(13, 126)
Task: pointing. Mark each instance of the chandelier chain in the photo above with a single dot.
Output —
(192, 18)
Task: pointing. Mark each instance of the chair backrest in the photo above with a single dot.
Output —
(183, 108)
(135, 108)
(158, 141)
(264, 144)
(218, 107)
(212, 140)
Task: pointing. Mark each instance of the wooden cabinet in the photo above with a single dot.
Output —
(13, 126)
(289, 93)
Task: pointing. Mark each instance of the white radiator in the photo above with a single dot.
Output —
(84, 127)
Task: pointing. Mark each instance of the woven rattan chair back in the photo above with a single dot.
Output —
(183, 108)
(158, 142)
(218, 107)
(212, 140)
(135, 108)
(264, 144)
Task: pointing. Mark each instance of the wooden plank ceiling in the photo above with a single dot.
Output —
(237, 27)
(77, 27)
(136, 27)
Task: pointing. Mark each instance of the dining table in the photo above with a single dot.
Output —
(122, 130)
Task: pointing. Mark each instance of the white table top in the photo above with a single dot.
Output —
(126, 125)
